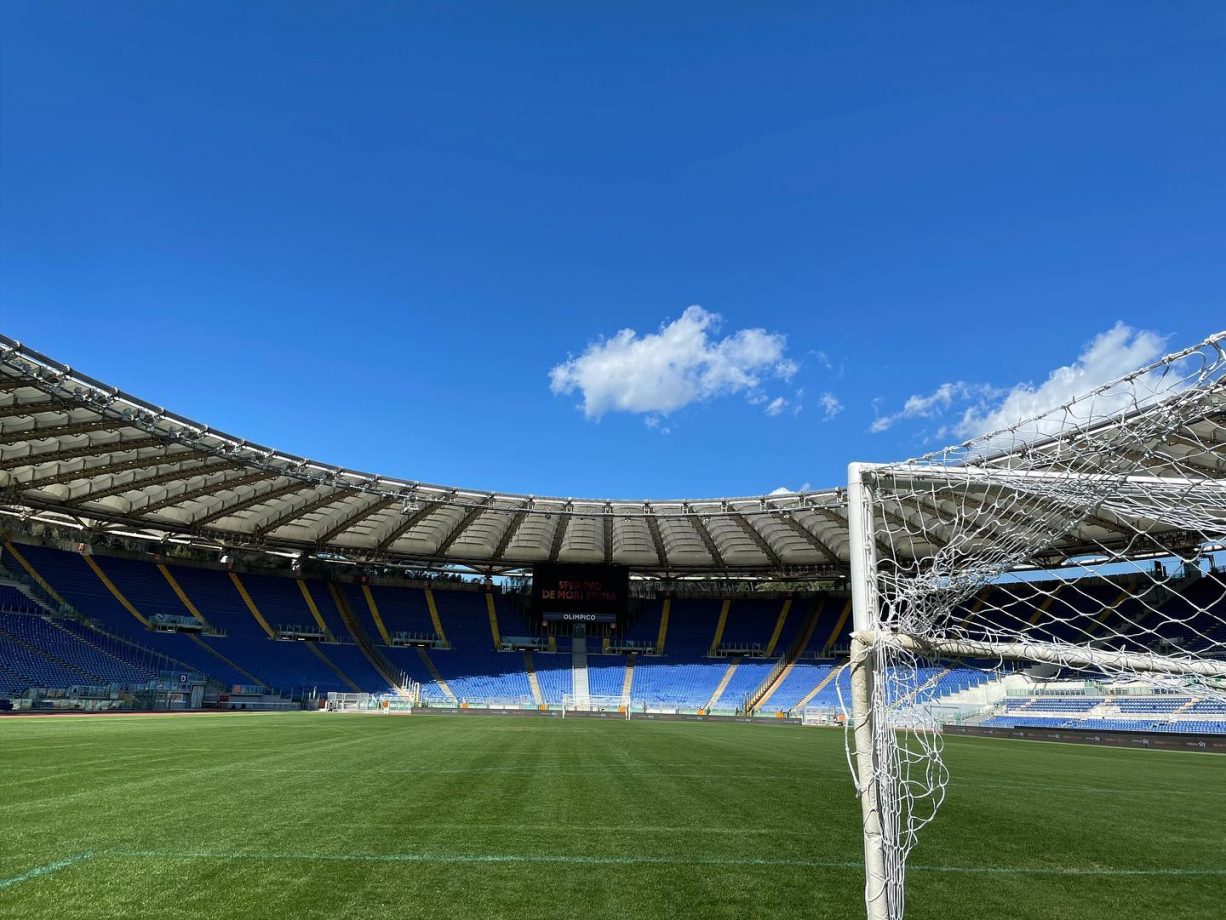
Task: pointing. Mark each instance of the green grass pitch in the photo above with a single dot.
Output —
(354, 816)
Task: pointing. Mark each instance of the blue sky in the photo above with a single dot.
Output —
(407, 237)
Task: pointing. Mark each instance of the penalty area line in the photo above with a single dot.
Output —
(574, 859)
(47, 869)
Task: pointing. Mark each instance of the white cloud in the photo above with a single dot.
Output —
(661, 372)
(925, 406)
(831, 406)
(1110, 355)
(657, 423)
(776, 405)
(784, 490)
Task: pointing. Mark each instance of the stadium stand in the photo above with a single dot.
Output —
(298, 635)
(1126, 710)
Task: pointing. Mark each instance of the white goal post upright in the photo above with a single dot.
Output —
(864, 617)
(1087, 540)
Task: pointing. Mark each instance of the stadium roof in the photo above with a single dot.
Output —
(76, 451)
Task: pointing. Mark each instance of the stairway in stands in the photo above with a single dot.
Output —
(723, 683)
(359, 635)
(578, 665)
(533, 681)
(627, 682)
(433, 671)
(763, 694)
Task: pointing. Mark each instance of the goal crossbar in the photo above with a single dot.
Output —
(1043, 652)
(909, 476)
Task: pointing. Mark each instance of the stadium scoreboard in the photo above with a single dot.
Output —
(582, 593)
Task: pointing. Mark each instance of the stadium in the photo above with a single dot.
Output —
(1058, 582)
(617, 461)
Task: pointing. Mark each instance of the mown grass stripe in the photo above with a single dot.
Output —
(38, 871)
(588, 860)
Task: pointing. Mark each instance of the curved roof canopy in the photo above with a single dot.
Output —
(75, 450)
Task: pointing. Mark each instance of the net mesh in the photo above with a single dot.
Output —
(593, 703)
(1080, 549)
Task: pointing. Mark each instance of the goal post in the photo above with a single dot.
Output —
(609, 706)
(349, 702)
(1089, 540)
(863, 563)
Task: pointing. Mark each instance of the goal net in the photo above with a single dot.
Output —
(349, 702)
(1083, 543)
(610, 705)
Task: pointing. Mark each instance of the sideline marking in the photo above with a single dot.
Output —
(459, 858)
(45, 870)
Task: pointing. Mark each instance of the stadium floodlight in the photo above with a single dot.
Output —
(1103, 524)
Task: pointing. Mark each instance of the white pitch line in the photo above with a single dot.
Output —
(568, 859)
(45, 870)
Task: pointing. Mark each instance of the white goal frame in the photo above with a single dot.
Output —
(1126, 480)
(349, 702)
(869, 635)
(612, 705)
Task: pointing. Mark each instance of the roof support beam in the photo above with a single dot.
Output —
(90, 472)
(469, 516)
(608, 538)
(653, 527)
(144, 482)
(841, 522)
(1156, 462)
(809, 537)
(40, 432)
(1095, 520)
(926, 504)
(212, 488)
(929, 536)
(559, 534)
(410, 521)
(988, 522)
(73, 453)
(509, 534)
(322, 501)
(1192, 461)
(759, 541)
(1215, 436)
(352, 520)
(21, 410)
(252, 501)
(705, 536)
(1192, 440)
